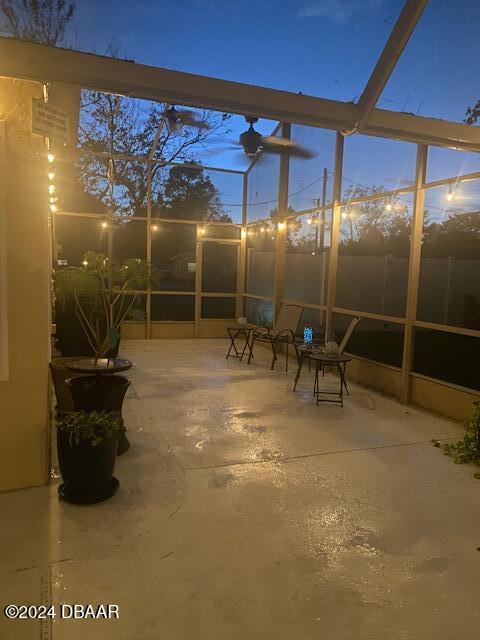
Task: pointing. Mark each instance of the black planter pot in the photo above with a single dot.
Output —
(100, 393)
(87, 471)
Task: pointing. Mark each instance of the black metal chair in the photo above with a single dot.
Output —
(286, 327)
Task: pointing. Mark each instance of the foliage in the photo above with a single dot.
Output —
(103, 294)
(370, 228)
(132, 127)
(466, 450)
(36, 20)
(473, 113)
(189, 194)
(93, 427)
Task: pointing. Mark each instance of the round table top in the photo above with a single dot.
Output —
(99, 366)
(325, 357)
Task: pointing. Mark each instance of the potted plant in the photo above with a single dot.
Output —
(87, 448)
(102, 294)
(466, 450)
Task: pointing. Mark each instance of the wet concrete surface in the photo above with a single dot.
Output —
(246, 511)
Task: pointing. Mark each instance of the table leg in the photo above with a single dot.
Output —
(340, 372)
(315, 384)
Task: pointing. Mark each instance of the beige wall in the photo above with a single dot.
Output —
(24, 432)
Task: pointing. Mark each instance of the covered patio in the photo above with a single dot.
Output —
(204, 205)
(244, 510)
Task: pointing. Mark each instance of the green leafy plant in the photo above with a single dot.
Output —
(103, 294)
(92, 427)
(466, 450)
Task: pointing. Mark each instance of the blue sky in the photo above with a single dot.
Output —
(320, 47)
(325, 48)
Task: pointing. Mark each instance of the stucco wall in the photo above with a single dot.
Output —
(24, 432)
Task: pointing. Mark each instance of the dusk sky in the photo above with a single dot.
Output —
(320, 47)
(325, 48)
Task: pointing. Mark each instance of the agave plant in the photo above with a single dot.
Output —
(103, 294)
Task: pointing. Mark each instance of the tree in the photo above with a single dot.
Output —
(189, 194)
(375, 226)
(473, 113)
(115, 124)
(42, 21)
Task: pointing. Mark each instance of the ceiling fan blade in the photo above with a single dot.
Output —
(273, 144)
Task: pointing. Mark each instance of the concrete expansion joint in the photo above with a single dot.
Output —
(314, 455)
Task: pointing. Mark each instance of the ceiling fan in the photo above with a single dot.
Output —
(253, 143)
(182, 117)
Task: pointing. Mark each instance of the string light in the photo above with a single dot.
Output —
(53, 208)
(344, 215)
(50, 157)
(202, 231)
(51, 188)
(449, 195)
(104, 225)
(389, 206)
(281, 226)
(85, 263)
(262, 229)
(51, 175)
(309, 220)
(154, 227)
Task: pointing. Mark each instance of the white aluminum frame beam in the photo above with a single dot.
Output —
(42, 63)
(396, 43)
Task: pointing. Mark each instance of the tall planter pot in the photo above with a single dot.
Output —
(87, 470)
(98, 393)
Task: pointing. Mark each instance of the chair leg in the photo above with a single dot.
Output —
(250, 354)
(274, 355)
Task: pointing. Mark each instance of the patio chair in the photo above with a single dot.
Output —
(285, 329)
(343, 344)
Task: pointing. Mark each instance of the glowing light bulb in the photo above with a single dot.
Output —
(50, 157)
(53, 208)
(104, 225)
(202, 231)
(154, 227)
(449, 196)
(389, 206)
(309, 220)
(51, 188)
(281, 226)
(85, 263)
(344, 215)
(245, 233)
(262, 229)
(51, 175)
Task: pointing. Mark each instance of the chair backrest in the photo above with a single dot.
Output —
(289, 317)
(348, 334)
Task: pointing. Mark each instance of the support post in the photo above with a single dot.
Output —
(281, 231)
(414, 270)
(149, 246)
(335, 235)
(198, 283)
(242, 254)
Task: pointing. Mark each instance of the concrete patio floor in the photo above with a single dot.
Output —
(247, 512)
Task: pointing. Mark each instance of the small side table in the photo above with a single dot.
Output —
(234, 333)
(322, 360)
